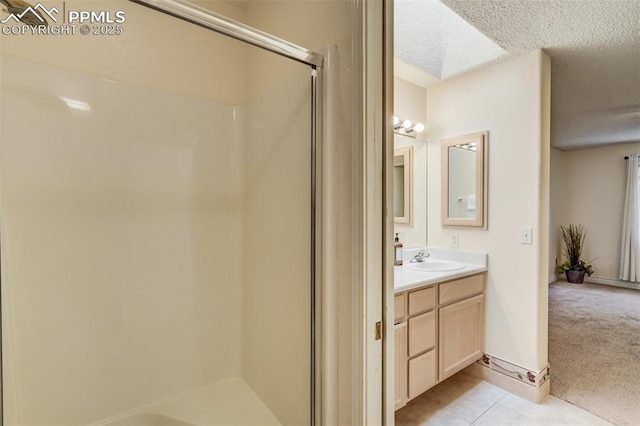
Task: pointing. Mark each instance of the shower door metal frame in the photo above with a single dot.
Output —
(210, 20)
(205, 18)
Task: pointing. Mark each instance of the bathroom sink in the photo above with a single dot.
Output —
(435, 266)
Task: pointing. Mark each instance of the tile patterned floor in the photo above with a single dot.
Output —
(465, 400)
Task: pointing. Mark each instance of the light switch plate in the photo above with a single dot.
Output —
(525, 235)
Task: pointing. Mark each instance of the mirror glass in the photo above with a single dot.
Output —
(398, 185)
(402, 184)
(464, 180)
(410, 202)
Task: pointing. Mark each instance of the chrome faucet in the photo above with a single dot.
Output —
(419, 257)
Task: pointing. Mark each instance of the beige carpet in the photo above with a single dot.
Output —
(594, 349)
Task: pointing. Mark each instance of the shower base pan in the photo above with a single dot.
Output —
(147, 419)
(229, 402)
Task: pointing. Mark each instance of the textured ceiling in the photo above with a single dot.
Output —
(595, 51)
(433, 38)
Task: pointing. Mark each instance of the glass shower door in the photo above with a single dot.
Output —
(156, 200)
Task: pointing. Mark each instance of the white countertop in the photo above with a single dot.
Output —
(407, 279)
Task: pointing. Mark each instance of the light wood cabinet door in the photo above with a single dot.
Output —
(400, 362)
(461, 336)
(422, 373)
(422, 333)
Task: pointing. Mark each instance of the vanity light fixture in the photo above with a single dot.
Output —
(406, 127)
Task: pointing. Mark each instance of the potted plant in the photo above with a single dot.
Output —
(574, 267)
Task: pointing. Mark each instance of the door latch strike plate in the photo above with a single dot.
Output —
(379, 330)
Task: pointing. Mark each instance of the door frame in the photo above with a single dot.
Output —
(373, 213)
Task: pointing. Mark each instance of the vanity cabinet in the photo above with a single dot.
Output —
(439, 330)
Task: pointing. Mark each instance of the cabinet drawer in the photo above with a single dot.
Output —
(399, 308)
(462, 288)
(422, 300)
(422, 333)
(422, 373)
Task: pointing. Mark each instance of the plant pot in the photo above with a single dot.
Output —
(575, 277)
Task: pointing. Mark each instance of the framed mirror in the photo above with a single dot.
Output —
(403, 184)
(464, 180)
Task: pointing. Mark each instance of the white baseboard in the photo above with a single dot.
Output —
(612, 282)
(599, 280)
(527, 384)
(530, 393)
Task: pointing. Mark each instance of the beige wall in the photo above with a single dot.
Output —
(410, 102)
(594, 197)
(557, 210)
(508, 101)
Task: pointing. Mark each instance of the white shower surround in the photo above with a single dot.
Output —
(229, 402)
(138, 173)
(159, 176)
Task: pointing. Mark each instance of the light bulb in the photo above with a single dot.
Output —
(407, 124)
(418, 128)
(396, 120)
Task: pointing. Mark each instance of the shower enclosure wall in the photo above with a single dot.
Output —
(156, 196)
